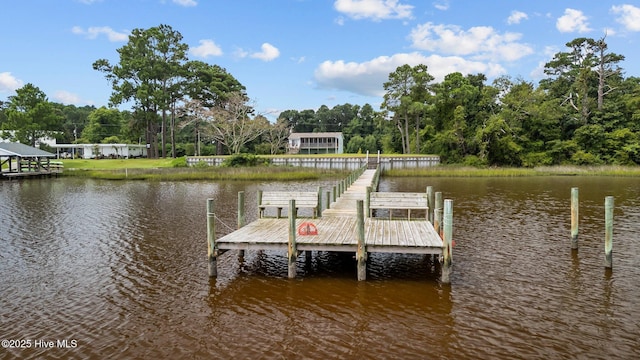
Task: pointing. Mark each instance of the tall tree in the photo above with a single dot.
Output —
(406, 92)
(606, 67)
(277, 136)
(148, 74)
(30, 116)
(103, 123)
(229, 124)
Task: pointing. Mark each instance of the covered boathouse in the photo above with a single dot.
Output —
(20, 160)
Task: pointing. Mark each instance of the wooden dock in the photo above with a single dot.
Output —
(345, 226)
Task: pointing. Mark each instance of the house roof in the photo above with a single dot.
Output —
(315, 135)
(22, 150)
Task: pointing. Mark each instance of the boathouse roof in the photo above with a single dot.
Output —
(22, 150)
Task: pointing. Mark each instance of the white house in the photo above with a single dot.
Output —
(100, 151)
(316, 143)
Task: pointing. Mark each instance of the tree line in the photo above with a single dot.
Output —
(585, 111)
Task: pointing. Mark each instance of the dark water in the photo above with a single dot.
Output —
(119, 270)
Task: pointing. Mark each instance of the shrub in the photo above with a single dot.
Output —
(201, 164)
(537, 159)
(584, 158)
(179, 162)
(244, 160)
(473, 160)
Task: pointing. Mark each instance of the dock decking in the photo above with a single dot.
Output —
(345, 226)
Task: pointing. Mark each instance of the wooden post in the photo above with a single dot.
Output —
(333, 196)
(448, 234)
(430, 204)
(241, 217)
(318, 210)
(574, 218)
(438, 217)
(608, 232)
(367, 201)
(361, 254)
(328, 199)
(212, 250)
(260, 212)
(437, 221)
(292, 248)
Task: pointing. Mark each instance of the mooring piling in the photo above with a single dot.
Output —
(574, 218)
(292, 248)
(361, 254)
(328, 200)
(447, 240)
(242, 220)
(212, 251)
(437, 214)
(608, 232)
(430, 204)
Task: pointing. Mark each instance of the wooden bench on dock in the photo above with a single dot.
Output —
(399, 201)
(280, 200)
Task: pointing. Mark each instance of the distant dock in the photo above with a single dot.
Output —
(346, 225)
(22, 161)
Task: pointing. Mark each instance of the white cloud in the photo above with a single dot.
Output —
(480, 42)
(205, 49)
(268, 53)
(94, 31)
(9, 83)
(548, 54)
(185, 3)
(367, 78)
(629, 16)
(573, 21)
(441, 5)
(516, 17)
(240, 53)
(299, 60)
(67, 98)
(373, 9)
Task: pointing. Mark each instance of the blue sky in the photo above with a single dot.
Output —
(301, 54)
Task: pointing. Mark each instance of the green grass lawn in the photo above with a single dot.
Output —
(115, 164)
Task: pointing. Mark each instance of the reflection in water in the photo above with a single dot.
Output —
(121, 267)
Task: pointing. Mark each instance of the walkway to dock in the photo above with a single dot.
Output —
(345, 205)
(346, 226)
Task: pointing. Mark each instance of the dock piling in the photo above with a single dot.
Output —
(212, 251)
(448, 234)
(574, 218)
(608, 237)
(328, 200)
(361, 254)
(437, 214)
(318, 211)
(292, 248)
(242, 220)
(430, 214)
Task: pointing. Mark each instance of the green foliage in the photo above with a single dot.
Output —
(102, 123)
(31, 116)
(534, 159)
(473, 160)
(189, 149)
(111, 140)
(201, 164)
(244, 160)
(581, 157)
(179, 162)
